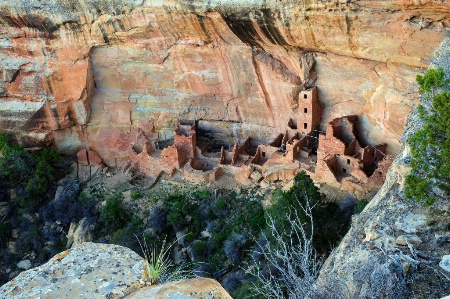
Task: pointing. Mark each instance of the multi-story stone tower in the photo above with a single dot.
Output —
(309, 111)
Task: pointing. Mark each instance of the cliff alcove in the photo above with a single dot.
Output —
(213, 93)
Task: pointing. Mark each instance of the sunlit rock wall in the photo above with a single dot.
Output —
(89, 73)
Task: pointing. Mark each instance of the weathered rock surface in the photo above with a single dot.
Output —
(92, 270)
(445, 263)
(196, 288)
(87, 271)
(80, 232)
(395, 248)
(89, 74)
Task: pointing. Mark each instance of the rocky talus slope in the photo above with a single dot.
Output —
(93, 73)
(92, 270)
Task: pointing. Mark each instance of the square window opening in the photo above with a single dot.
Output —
(305, 125)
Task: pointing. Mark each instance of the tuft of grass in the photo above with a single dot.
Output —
(158, 266)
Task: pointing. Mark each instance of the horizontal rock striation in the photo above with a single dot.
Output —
(92, 74)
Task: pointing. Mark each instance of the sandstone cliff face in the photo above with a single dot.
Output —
(92, 73)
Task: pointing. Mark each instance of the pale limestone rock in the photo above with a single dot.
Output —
(80, 232)
(445, 263)
(205, 234)
(377, 230)
(288, 186)
(24, 264)
(86, 271)
(410, 222)
(405, 239)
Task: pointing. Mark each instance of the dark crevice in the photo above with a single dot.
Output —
(269, 28)
(104, 35)
(243, 29)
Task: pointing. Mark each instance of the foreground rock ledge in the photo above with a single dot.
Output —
(93, 270)
(196, 288)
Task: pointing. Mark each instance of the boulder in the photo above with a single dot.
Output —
(80, 232)
(94, 158)
(88, 270)
(264, 184)
(405, 239)
(196, 288)
(445, 263)
(82, 157)
(24, 264)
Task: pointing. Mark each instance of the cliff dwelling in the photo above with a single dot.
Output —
(335, 156)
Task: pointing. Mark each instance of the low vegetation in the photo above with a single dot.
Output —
(430, 145)
(218, 232)
(31, 207)
(30, 174)
(222, 232)
(113, 212)
(159, 266)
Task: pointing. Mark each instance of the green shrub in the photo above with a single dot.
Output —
(430, 146)
(360, 205)
(113, 214)
(202, 193)
(330, 224)
(158, 266)
(135, 195)
(30, 173)
(179, 207)
(5, 231)
(246, 290)
(83, 197)
(219, 206)
(255, 216)
(199, 248)
(60, 245)
(189, 237)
